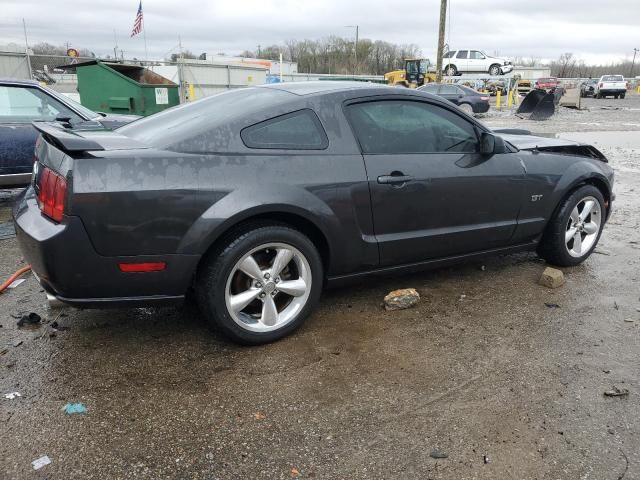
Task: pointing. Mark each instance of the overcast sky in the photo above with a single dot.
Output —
(601, 31)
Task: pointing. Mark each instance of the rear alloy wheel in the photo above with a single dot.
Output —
(466, 108)
(451, 71)
(262, 285)
(574, 231)
(494, 70)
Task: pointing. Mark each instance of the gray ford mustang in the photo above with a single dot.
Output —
(256, 198)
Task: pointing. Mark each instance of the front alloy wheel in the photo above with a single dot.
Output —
(583, 227)
(268, 287)
(574, 230)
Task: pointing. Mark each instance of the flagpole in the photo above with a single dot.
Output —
(144, 35)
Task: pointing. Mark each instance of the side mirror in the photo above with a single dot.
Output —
(491, 144)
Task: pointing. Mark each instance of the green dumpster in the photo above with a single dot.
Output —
(123, 88)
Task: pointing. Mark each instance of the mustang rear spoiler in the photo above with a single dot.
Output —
(64, 138)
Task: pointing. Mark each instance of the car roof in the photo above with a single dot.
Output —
(16, 81)
(316, 87)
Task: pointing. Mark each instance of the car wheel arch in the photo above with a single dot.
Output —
(566, 191)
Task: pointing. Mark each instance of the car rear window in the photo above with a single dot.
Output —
(299, 130)
(613, 78)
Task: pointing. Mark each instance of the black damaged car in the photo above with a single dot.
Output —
(257, 198)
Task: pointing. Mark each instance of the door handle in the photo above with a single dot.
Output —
(394, 179)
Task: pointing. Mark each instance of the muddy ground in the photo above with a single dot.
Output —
(481, 370)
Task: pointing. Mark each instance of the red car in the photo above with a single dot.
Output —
(547, 83)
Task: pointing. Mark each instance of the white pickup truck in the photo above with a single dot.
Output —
(610, 86)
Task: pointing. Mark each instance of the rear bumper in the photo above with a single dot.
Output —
(612, 91)
(68, 267)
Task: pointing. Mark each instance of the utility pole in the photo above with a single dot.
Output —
(443, 19)
(26, 49)
(633, 62)
(357, 27)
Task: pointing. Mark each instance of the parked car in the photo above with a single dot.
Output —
(24, 101)
(546, 83)
(469, 100)
(611, 86)
(588, 88)
(258, 197)
(456, 62)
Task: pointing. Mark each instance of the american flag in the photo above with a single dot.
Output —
(137, 24)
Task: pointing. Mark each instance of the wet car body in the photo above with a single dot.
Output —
(18, 136)
(167, 189)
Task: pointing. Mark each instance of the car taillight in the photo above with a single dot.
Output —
(52, 191)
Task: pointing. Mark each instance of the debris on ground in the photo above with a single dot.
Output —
(17, 343)
(629, 320)
(485, 459)
(12, 395)
(552, 278)
(401, 299)
(41, 462)
(294, 472)
(616, 392)
(259, 416)
(602, 252)
(438, 454)
(29, 320)
(16, 283)
(71, 408)
(552, 305)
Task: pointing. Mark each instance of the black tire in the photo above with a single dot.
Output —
(622, 95)
(494, 70)
(553, 247)
(616, 97)
(211, 281)
(451, 70)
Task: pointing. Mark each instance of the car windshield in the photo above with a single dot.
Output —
(613, 78)
(188, 120)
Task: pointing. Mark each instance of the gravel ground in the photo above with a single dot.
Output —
(481, 370)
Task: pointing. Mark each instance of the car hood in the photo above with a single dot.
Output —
(523, 140)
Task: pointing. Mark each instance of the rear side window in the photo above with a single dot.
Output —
(449, 54)
(462, 54)
(613, 78)
(404, 126)
(299, 130)
(430, 88)
(449, 90)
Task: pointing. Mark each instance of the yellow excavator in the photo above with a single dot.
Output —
(415, 74)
